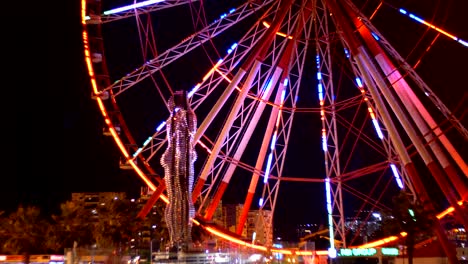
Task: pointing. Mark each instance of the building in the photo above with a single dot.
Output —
(91, 200)
(303, 230)
(259, 226)
(232, 214)
(219, 215)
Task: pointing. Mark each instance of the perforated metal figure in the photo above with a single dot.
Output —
(178, 160)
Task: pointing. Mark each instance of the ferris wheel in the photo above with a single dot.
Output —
(304, 108)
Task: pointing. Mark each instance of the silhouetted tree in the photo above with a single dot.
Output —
(112, 224)
(115, 223)
(408, 216)
(157, 224)
(74, 225)
(27, 232)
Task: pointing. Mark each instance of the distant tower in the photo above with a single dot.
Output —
(178, 161)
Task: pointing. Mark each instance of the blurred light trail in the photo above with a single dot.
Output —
(461, 41)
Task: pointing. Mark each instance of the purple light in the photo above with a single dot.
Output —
(347, 53)
(320, 89)
(161, 126)
(359, 82)
(324, 144)
(396, 175)
(267, 88)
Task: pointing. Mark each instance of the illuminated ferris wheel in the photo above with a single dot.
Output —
(302, 106)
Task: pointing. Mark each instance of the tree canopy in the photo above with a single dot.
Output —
(108, 225)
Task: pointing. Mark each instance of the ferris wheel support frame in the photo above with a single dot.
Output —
(405, 122)
(279, 75)
(253, 64)
(371, 74)
(415, 109)
(426, 124)
(331, 147)
(421, 84)
(100, 98)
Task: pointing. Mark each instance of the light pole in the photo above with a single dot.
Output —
(151, 251)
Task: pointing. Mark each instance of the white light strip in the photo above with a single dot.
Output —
(129, 7)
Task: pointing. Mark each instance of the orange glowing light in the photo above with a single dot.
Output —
(215, 68)
(381, 242)
(103, 110)
(83, 12)
(448, 210)
(439, 30)
(142, 175)
(267, 25)
(305, 253)
(227, 79)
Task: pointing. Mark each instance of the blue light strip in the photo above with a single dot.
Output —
(331, 233)
(377, 128)
(397, 176)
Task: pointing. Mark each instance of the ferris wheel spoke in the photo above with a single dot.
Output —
(248, 125)
(225, 66)
(400, 175)
(415, 110)
(181, 49)
(265, 88)
(132, 10)
(284, 120)
(151, 147)
(420, 83)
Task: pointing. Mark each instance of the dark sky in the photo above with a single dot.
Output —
(54, 145)
(55, 142)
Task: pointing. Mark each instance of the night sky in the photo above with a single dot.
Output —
(55, 143)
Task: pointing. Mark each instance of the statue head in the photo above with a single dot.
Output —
(178, 100)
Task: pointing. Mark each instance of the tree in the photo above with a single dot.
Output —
(27, 232)
(110, 225)
(199, 235)
(115, 223)
(74, 225)
(408, 216)
(157, 223)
